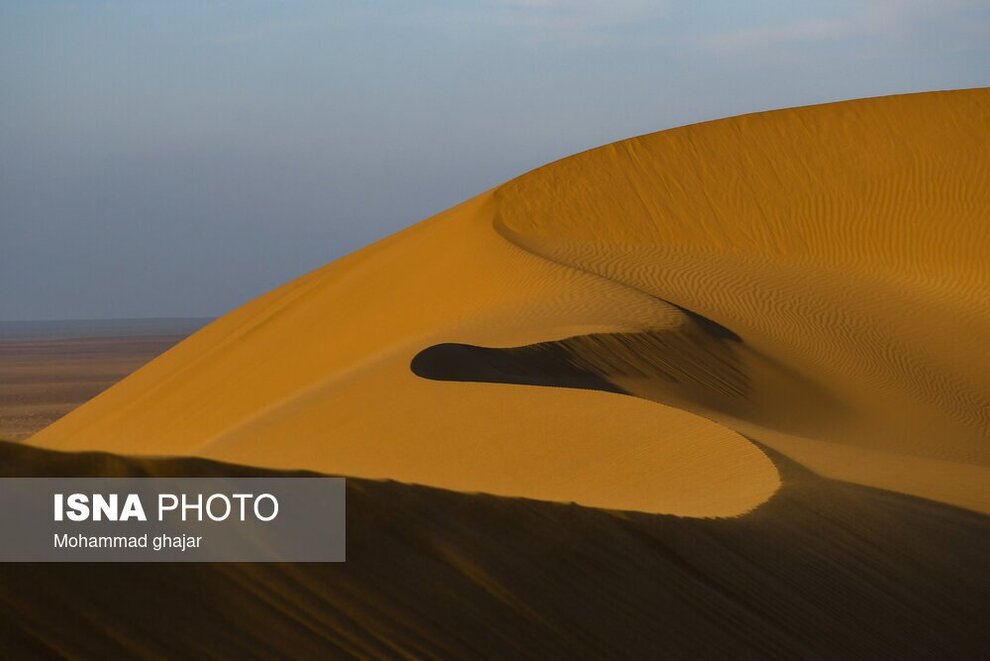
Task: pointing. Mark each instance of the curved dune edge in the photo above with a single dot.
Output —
(845, 242)
(316, 375)
(843, 245)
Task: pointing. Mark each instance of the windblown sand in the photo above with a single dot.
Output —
(815, 279)
(765, 336)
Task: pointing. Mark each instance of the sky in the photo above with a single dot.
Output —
(176, 158)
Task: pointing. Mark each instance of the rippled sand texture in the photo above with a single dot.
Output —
(815, 279)
(848, 243)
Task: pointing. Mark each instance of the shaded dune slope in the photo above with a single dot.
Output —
(823, 569)
(697, 364)
(813, 278)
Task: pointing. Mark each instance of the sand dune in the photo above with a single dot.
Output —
(733, 323)
(317, 374)
(814, 279)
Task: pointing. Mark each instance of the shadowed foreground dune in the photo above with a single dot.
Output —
(815, 279)
(823, 569)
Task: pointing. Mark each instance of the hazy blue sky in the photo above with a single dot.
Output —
(176, 158)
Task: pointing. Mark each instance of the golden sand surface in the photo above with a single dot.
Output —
(832, 258)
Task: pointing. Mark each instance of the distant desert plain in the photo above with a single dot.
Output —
(717, 391)
(48, 368)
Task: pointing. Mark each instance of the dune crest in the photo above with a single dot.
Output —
(847, 242)
(316, 374)
(813, 278)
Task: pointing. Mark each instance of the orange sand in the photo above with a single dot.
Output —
(846, 244)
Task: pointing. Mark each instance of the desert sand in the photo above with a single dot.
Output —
(813, 279)
(751, 351)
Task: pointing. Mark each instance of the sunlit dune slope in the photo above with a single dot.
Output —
(316, 375)
(814, 278)
(848, 242)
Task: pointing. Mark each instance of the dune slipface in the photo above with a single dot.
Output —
(815, 279)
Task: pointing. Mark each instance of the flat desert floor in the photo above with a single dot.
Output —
(49, 368)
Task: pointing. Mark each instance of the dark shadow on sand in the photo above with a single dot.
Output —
(822, 570)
